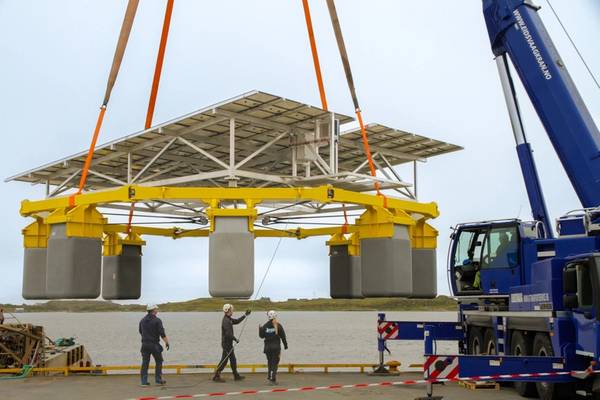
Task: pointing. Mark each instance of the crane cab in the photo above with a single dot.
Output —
(485, 257)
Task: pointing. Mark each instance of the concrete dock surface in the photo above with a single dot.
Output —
(125, 387)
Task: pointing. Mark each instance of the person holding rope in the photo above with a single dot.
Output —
(273, 334)
(227, 339)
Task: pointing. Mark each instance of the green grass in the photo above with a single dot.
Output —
(441, 303)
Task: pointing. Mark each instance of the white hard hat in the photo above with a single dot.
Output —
(151, 307)
(227, 307)
(272, 314)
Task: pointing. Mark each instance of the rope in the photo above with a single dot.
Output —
(573, 43)
(335, 22)
(112, 78)
(25, 372)
(255, 297)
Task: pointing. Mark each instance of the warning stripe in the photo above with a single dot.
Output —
(388, 330)
(384, 326)
(454, 378)
(453, 373)
(443, 373)
(393, 333)
(428, 361)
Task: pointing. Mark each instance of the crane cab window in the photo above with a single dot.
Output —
(500, 249)
(467, 258)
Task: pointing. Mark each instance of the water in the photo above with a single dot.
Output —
(112, 338)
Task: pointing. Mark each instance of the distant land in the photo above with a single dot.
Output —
(441, 303)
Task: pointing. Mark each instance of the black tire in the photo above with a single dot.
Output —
(490, 346)
(542, 346)
(520, 345)
(475, 341)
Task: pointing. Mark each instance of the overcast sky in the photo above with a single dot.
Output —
(424, 67)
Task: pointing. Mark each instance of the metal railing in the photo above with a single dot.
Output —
(180, 368)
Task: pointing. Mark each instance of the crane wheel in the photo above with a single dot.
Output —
(542, 346)
(520, 345)
(475, 340)
(489, 343)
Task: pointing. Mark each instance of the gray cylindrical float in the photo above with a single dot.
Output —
(387, 265)
(34, 274)
(73, 264)
(122, 274)
(231, 258)
(35, 241)
(424, 273)
(344, 274)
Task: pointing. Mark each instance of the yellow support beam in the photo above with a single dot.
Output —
(177, 233)
(210, 195)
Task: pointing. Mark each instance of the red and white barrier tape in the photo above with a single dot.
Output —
(368, 385)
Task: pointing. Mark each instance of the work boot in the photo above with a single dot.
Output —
(217, 378)
(238, 377)
(161, 382)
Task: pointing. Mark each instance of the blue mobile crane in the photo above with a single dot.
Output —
(528, 301)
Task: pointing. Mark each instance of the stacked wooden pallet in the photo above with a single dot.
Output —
(474, 385)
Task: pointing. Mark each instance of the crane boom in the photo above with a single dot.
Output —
(515, 29)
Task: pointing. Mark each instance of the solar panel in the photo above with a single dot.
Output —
(255, 139)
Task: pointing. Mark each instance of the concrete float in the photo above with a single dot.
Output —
(74, 256)
(122, 267)
(231, 257)
(344, 268)
(35, 243)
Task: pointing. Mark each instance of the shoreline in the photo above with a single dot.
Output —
(441, 303)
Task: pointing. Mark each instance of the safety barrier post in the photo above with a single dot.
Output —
(381, 347)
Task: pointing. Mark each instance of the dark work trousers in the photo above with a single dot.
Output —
(154, 350)
(273, 362)
(228, 354)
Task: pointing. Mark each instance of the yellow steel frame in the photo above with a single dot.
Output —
(323, 194)
(83, 220)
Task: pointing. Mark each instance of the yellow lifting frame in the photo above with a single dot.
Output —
(35, 235)
(376, 221)
(208, 195)
(113, 243)
(248, 212)
(81, 221)
(353, 242)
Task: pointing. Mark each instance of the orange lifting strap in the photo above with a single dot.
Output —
(335, 22)
(315, 55)
(112, 78)
(155, 82)
(159, 63)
